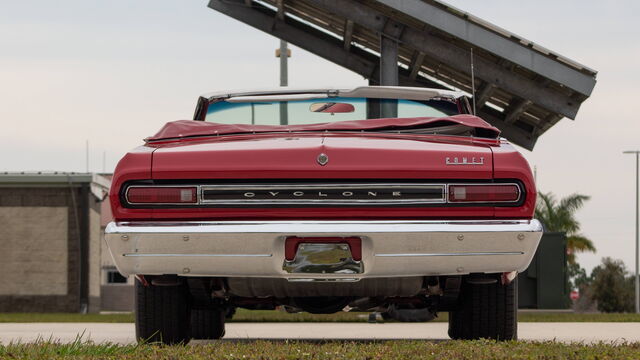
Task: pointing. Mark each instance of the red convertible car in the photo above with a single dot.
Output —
(367, 199)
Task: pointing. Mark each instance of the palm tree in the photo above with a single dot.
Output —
(559, 216)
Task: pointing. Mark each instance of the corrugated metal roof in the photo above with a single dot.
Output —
(521, 87)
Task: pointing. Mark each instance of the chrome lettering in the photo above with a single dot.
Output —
(298, 193)
(321, 194)
(347, 194)
(396, 193)
(249, 194)
(274, 193)
(372, 193)
(464, 161)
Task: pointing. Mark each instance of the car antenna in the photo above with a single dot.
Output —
(473, 85)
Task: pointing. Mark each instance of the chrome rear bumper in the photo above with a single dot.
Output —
(256, 248)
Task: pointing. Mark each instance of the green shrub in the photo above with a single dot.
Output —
(611, 288)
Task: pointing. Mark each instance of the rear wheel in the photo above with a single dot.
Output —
(162, 313)
(486, 311)
(207, 324)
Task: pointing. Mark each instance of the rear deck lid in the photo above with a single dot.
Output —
(298, 157)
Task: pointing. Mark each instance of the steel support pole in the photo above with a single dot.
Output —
(388, 73)
(284, 57)
(373, 105)
(284, 81)
(637, 210)
(637, 279)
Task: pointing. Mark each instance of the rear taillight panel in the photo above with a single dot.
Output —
(162, 195)
(505, 194)
(483, 193)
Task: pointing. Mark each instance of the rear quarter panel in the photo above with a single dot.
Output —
(508, 163)
(135, 165)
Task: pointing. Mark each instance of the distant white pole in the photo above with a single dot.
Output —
(637, 152)
(86, 156)
(104, 162)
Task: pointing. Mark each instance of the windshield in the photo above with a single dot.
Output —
(323, 110)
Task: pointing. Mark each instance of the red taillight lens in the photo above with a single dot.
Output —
(162, 195)
(484, 193)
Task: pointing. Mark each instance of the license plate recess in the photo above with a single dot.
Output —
(323, 255)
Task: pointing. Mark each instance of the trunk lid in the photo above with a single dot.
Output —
(296, 157)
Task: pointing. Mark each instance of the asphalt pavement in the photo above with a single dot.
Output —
(125, 333)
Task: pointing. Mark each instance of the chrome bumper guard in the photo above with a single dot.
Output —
(256, 248)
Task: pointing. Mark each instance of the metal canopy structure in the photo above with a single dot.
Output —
(520, 87)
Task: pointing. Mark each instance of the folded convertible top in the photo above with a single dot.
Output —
(190, 128)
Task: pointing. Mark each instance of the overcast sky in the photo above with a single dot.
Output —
(113, 72)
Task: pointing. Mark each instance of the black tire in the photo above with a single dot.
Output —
(162, 314)
(231, 310)
(207, 324)
(487, 311)
(408, 315)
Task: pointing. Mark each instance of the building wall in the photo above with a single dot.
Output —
(95, 248)
(35, 252)
(44, 269)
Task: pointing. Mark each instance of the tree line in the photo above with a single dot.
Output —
(609, 287)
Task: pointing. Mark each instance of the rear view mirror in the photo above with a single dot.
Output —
(331, 107)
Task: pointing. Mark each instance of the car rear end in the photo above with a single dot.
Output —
(318, 221)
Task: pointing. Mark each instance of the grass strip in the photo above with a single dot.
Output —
(243, 315)
(577, 317)
(65, 318)
(280, 316)
(382, 350)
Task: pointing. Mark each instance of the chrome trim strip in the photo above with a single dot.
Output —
(275, 98)
(302, 227)
(298, 187)
(195, 255)
(323, 202)
(325, 279)
(323, 186)
(390, 92)
(453, 254)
